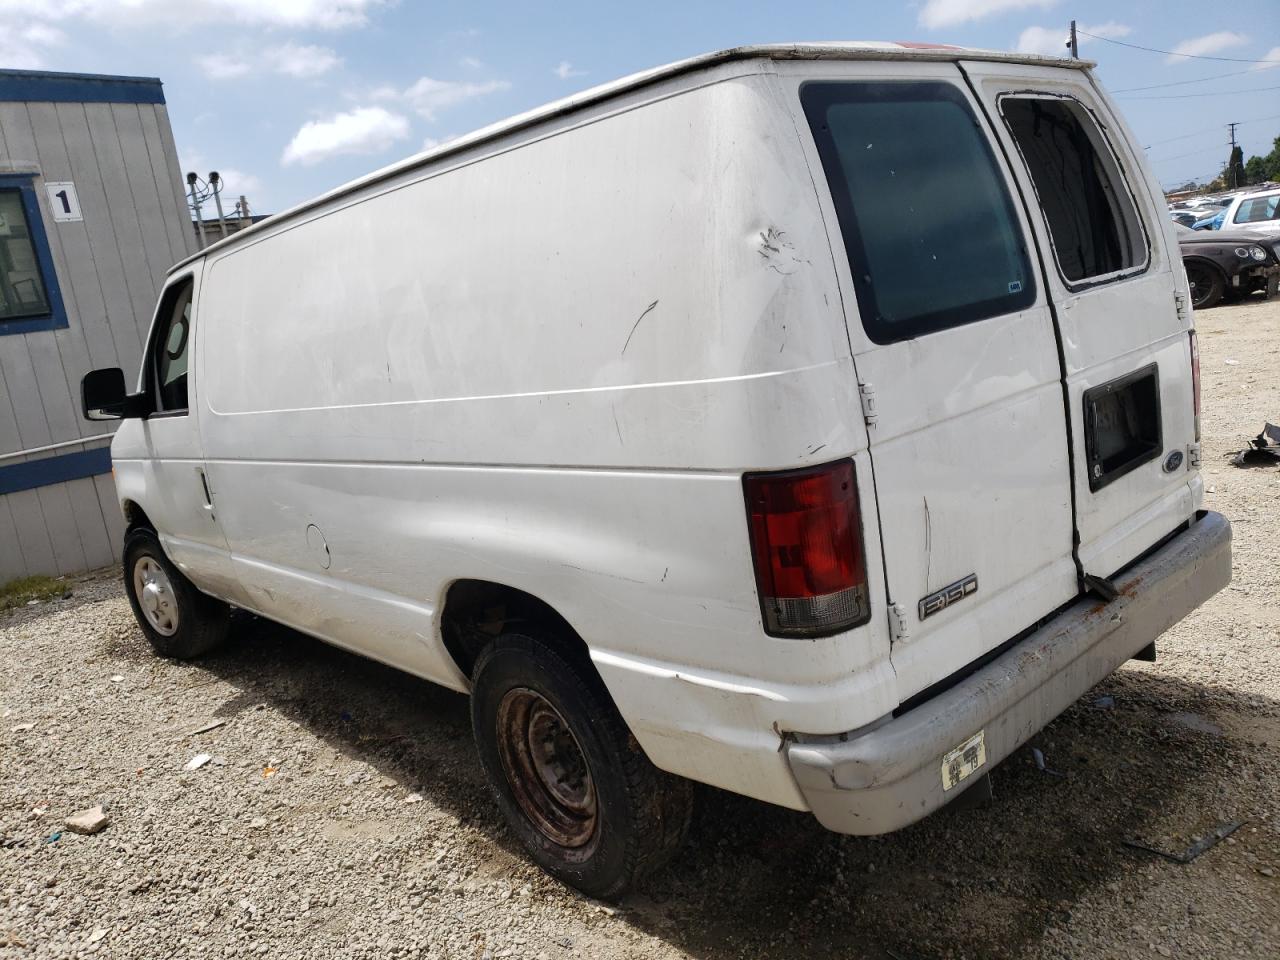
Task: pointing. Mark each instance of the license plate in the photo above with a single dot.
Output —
(964, 760)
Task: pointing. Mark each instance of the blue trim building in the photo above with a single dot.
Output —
(88, 164)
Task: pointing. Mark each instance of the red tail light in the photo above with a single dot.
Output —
(806, 540)
(1195, 379)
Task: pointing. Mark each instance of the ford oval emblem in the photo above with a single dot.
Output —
(1173, 461)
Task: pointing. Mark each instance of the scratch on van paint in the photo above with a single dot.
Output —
(636, 324)
(665, 571)
(614, 410)
(928, 546)
(778, 252)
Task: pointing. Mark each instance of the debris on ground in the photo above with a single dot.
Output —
(198, 761)
(203, 728)
(88, 822)
(1106, 702)
(1200, 846)
(1264, 448)
(1038, 754)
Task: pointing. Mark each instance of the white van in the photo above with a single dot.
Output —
(816, 422)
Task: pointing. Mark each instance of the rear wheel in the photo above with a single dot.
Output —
(569, 777)
(179, 620)
(1207, 285)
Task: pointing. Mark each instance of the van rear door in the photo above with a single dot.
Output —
(956, 356)
(1119, 300)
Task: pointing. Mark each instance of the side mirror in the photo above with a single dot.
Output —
(103, 396)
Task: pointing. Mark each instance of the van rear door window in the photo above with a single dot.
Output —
(1093, 224)
(928, 224)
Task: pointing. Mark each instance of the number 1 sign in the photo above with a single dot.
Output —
(63, 201)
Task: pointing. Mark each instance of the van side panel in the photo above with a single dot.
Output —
(548, 366)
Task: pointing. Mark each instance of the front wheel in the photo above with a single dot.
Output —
(567, 774)
(179, 620)
(1207, 285)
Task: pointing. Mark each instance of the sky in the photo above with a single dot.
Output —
(289, 98)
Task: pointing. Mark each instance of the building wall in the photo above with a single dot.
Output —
(111, 138)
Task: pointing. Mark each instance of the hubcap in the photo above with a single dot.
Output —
(155, 596)
(546, 768)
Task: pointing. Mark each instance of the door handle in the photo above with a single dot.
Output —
(204, 483)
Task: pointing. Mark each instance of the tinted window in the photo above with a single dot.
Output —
(22, 289)
(1092, 222)
(1257, 210)
(928, 224)
(172, 347)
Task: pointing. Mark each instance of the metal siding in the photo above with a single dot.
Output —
(169, 186)
(146, 207)
(68, 554)
(87, 510)
(33, 536)
(109, 268)
(175, 179)
(12, 563)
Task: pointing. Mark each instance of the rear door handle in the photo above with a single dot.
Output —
(204, 483)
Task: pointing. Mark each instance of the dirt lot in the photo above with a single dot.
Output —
(344, 814)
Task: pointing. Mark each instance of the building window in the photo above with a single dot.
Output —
(29, 296)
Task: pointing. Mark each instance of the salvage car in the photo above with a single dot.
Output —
(815, 421)
(1228, 264)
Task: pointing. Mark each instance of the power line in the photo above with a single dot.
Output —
(1171, 53)
(1196, 133)
(1188, 96)
(1182, 83)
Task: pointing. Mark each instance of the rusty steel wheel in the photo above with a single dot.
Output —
(570, 779)
(546, 768)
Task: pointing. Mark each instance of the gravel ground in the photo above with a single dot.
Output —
(344, 815)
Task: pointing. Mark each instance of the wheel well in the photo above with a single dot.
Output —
(476, 611)
(135, 516)
(1205, 262)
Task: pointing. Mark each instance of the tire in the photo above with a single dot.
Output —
(1207, 285)
(611, 817)
(179, 620)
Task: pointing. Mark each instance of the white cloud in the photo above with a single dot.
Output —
(360, 131)
(296, 60)
(1210, 43)
(471, 63)
(289, 59)
(1272, 55)
(223, 66)
(295, 14)
(428, 96)
(23, 46)
(1052, 41)
(952, 13)
(564, 70)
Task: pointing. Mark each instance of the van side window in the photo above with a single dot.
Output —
(928, 223)
(171, 346)
(1093, 224)
(1258, 209)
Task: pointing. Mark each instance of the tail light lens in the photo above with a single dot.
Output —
(1195, 380)
(806, 541)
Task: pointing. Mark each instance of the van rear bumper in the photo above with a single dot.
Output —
(892, 775)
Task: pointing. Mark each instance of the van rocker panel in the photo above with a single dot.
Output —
(891, 776)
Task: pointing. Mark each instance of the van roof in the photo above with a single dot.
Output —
(826, 50)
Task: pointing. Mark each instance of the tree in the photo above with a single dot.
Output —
(1235, 169)
(1255, 171)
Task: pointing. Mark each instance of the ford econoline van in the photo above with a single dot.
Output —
(816, 422)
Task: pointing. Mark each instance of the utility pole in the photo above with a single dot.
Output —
(195, 205)
(1073, 43)
(1232, 127)
(215, 182)
(1235, 165)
